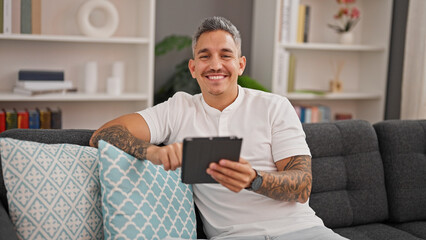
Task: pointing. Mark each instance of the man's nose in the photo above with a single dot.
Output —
(215, 63)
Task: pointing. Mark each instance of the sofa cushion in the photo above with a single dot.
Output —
(417, 228)
(375, 231)
(348, 183)
(141, 200)
(403, 148)
(53, 189)
(50, 136)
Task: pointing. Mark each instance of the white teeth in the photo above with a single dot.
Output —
(215, 77)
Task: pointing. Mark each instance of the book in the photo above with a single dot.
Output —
(343, 116)
(56, 118)
(315, 114)
(40, 75)
(11, 119)
(45, 119)
(306, 23)
(23, 119)
(1, 16)
(36, 16)
(44, 85)
(2, 121)
(301, 23)
(308, 115)
(26, 17)
(294, 5)
(285, 14)
(325, 113)
(29, 92)
(34, 119)
(16, 16)
(291, 73)
(7, 16)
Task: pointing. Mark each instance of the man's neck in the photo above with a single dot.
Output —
(222, 101)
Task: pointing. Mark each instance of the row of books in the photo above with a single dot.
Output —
(33, 119)
(318, 113)
(313, 114)
(294, 21)
(294, 27)
(20, 16)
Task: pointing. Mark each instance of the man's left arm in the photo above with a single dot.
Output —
(292, 182)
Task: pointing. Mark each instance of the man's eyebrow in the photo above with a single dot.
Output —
(227, 50)
(204, 50)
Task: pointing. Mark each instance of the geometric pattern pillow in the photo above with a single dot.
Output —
(53, 190)
(141, 200)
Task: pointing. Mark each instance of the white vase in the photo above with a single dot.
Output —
(346, 38)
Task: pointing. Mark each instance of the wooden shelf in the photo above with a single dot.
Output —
(76, 38)
(334, 96)
(330, 47)
(73, 97)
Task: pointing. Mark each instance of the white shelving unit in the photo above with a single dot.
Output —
(61, 46)
(364, 74)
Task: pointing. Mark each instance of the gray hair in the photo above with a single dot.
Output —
(217, 23)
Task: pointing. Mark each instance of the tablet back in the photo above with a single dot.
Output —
(198, 153)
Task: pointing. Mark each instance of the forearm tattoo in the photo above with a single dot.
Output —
(293, 184)
(120, 137)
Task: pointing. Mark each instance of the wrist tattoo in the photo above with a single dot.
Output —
(121, 137)
(293, 184)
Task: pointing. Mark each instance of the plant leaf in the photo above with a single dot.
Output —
(172, 42)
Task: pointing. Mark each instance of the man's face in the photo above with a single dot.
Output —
(216, 64)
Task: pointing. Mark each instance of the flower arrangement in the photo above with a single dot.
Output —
(347, 16)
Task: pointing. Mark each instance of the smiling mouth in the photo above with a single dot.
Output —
(216, 77)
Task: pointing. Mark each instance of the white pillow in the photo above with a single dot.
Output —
(53, 190)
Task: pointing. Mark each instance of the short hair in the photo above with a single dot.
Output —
(217, 23)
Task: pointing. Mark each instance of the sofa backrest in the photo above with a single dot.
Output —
(403, 149)
(49, 136)
(348, 181)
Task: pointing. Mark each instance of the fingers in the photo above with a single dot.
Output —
(170, 156)
(233, 175)
(174, 156)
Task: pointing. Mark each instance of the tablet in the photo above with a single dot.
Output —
(198, 153)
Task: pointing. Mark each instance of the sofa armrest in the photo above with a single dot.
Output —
(7, 230)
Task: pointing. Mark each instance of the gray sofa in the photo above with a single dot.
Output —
(369, 181)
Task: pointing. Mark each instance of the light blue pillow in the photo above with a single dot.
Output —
(141, 200)
(53, 190)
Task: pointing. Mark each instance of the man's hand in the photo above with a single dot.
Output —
(169, 156)
(233, 175)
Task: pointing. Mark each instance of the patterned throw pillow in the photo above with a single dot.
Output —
(141, 200)
(53, 190)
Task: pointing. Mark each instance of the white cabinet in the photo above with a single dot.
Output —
(364, 74)
(61, 46)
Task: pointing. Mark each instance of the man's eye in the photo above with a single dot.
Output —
(204, 57)
(226, 56)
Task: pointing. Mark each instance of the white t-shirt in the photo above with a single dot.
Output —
(271, 131)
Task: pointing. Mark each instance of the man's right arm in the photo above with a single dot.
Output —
(131, 134)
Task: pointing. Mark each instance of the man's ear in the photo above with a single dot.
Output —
(191, 67)
(242, 62)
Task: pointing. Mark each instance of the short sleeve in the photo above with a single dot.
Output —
(165, 119)
(157, 118)
(288, 137)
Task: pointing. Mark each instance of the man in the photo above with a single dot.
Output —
(264, 194)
